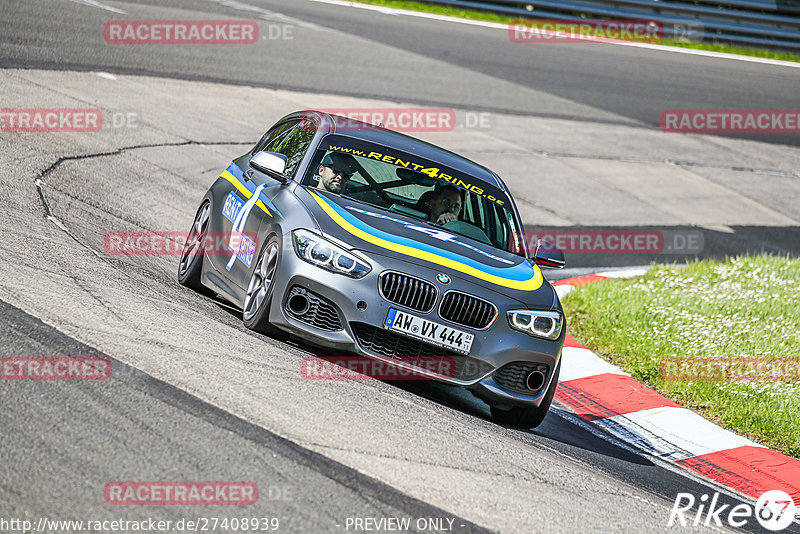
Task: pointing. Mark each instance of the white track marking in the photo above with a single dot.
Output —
(504, 27)
(266, 14)
(562, 290)
(582, 363)
(106, 75)
(669, 466)
(585, 425)
(57, 222)
(668, 425)
(96, 4)
(624, 273)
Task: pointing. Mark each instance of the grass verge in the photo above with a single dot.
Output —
(744, 308)
(472, 14)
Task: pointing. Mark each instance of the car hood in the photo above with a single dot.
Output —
(372, 229)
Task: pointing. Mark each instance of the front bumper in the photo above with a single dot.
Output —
(362, 311)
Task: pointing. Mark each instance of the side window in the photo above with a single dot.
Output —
(272, 139)
(295, 145)
(517, 237)
(476, 214)
(499, 227)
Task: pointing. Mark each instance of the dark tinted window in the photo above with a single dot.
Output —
(295, 145)
(404, 183)
(273, 138)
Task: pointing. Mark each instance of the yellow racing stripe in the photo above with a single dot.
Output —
(243, 190)
(531, 284)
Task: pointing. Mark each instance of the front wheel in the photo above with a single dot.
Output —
(528, 417)
(257, 300)
(191, 263)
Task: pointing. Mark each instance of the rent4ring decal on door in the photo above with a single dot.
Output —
(241, 246)
(232, 206)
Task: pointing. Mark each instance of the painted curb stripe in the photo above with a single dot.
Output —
(684, 430)
(580, 362)
(752, 470)
(611, 394)
(580, 280)
(531, 284)
(563, 287)
(636, 414)
(570, 341)
(626, 273)
(561, 291)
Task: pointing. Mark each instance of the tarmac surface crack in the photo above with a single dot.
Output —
(39, 181)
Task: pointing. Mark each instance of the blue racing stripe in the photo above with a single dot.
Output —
(521, 272)
(250, 186)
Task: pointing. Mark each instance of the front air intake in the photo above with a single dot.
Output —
(467, 310)
(408, 291)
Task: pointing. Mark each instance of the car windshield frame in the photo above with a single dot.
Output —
(380, 168)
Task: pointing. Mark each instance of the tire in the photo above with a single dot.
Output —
(528, 417)
(190, 266)
(257, 300)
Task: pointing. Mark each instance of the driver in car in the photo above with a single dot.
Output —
(445, 205)
(335, 170)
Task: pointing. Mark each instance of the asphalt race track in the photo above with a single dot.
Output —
(194, 396)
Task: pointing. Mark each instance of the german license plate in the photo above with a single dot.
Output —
(435, 333)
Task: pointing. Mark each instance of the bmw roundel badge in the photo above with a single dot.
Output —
(443, 278)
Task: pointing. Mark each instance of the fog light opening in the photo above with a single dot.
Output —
(299, 304)
(535, 380)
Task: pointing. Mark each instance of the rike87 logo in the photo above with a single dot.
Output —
(774, 510)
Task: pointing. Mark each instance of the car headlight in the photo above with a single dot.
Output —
(544, 324)
(319, 251)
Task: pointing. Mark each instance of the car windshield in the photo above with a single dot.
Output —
(412, 186)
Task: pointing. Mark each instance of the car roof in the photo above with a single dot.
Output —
(382, 136)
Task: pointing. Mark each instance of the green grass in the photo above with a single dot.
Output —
(441, 10)
(746, 307)
(491, 17)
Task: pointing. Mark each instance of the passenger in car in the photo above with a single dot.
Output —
(444, 205)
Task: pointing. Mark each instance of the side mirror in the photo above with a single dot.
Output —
(547, 254)
(272, 164)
